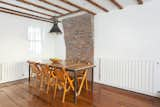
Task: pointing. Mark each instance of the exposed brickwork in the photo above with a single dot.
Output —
(79, 41)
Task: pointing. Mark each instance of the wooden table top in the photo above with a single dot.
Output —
(69, 66)
(75, 67)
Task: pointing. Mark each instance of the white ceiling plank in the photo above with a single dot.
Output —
(21, 10)
(47, 6)
(29, 6)
(82, 3)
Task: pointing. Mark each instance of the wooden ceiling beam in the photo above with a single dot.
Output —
(39, 6)
(77, 6)
(26, 14)
(55, 5)
(13, 12)
(117, 4)
(140, 2)
(20, 7)
(68, 14)
(97, 5)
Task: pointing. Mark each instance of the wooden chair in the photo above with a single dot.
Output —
(47, 78)
(62, 80)
(82, 79)
(51, 79)
(35, 72)
(81, 76)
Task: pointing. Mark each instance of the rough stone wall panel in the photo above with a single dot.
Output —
(79, 38)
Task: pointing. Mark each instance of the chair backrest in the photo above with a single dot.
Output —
(45, 70)
(34, 67)
(62, 75)
(55, 60)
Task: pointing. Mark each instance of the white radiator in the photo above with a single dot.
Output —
(0, 72)
(12, 71)
(137, 75)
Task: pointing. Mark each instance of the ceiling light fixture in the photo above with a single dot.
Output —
(55, 28)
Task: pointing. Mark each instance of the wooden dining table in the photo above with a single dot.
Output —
(74, 68)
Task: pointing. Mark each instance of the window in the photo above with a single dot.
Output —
(35, 41)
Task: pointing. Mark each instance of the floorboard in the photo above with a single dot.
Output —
(20, 94)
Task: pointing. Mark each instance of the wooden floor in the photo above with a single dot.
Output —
(19, 94)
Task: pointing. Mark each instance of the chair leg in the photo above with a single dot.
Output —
(55, 89)
(41, 84)
(82, 83)
(64, 94)
(86, 84)
(65, 90)
(35, 83)
(48, 86)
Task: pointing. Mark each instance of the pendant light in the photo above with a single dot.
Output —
(55, 28)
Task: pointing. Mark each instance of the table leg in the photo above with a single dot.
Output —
(75, 87)
(29, 74)
(92, 81)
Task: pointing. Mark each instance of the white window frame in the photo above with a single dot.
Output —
(35, 38)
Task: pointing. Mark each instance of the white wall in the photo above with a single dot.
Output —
(14, 45)
(133, 32)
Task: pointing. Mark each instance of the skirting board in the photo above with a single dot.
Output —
(157, 95)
